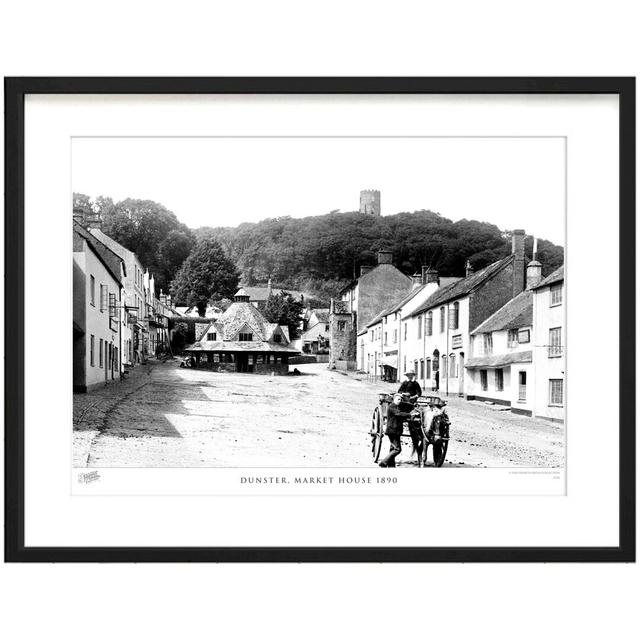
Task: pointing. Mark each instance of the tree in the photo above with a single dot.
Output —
(173, 251)
(206, 275)
(283, 309)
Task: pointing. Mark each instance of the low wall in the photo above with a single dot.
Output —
(345, 365)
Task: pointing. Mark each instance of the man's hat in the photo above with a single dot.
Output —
(409, 373)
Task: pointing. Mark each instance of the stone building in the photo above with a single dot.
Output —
(241, 340)
(377, 288)
(370, 202)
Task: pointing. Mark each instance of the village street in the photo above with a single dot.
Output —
(165, 416)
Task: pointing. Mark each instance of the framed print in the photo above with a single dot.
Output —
(320, 319)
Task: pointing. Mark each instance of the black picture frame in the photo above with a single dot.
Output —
(15, 91)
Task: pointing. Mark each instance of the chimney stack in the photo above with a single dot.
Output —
(416, 280)
(269, 287)
(385, 257)
(468, 269)
(517, 249)
(430, 275)
(534, 274)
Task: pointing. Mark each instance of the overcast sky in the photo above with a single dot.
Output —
(510, 182)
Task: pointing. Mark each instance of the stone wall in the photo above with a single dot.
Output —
(342, 336)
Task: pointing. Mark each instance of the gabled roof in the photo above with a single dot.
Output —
(356, 280)
(112, 261)
(517, 313)
(463, 286)
(556, 276)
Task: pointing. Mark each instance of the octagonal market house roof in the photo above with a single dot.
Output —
(242, 340)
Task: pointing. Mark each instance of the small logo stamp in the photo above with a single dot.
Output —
(86, 478)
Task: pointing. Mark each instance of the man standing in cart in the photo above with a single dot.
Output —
(395, 419)
(410, 386)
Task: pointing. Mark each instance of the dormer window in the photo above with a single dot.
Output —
(277, 338)
(246, 337)
(211, 336)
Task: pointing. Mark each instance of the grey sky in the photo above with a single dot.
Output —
(510, 182)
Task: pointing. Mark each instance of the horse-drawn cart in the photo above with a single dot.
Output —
(428, 425)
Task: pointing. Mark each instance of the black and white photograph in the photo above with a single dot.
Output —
(319, 302)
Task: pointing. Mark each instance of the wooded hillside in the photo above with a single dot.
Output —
(320, 253)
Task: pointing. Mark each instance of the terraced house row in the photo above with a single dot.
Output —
(118, 319)
(495, 335)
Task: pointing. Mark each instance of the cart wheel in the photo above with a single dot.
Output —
(440, 452)
(376, 434)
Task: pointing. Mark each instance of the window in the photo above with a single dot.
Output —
(404, 364)
(487, 339)
(92, 342)
(444, 367)
(483, 379)
(405, 330)
(556, 393)
(512, 338)
(422, 369)
(113, 308)
(429, 324)
(441, 319)
(524, 336)
(555, 295)
(104, 293)
(100, 354)
(211, 336)
(278, 338)
(395, 336)
(428, 368)
(454, 316)
(522, 386)
(555, 342)
(342, 325)
(92, 290)
(245, 337)
(499, 380)
(115, 358)
(452, 366)
(385, 338)
(371, 335)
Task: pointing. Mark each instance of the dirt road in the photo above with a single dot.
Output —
(164, 416)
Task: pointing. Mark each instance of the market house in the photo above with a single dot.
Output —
(241, 340)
